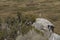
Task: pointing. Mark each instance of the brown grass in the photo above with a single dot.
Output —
(49, 9)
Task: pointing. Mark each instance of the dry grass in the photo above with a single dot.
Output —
(49, 9)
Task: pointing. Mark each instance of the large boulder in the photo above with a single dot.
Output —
(39, 31)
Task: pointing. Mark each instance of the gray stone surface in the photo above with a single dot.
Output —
(41, 25)
(54, 36)
(31, 35)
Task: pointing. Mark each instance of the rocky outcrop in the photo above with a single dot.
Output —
(37, 33)
(40, 31)
(31, 35)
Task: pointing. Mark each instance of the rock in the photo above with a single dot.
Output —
(31, 35)
(54, 36)
(41, 25)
